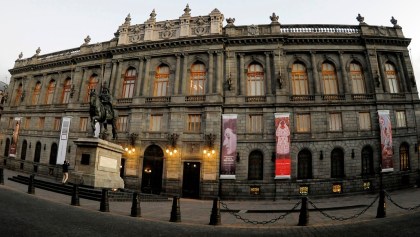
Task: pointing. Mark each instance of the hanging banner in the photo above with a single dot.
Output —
(13, 145)
(64, 134)
(229, 142)
(386, 140)
(282, 124)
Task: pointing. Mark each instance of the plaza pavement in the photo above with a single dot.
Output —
(197, 212)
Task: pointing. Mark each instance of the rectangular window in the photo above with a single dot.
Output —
(255, 123)
(41, 123)
(335, 122)
(364, 121)
(11, 123)
(83, 124)
(194, 123)
(57, 124)
(401, 121)
(303, 123)
(155, 123)
(122, 123)
(27, 123)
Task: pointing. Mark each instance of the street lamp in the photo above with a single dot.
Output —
(130, 149)
(209, 147)
(171, 148)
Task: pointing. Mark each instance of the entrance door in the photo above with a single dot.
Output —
(191, 180)
(151, 181)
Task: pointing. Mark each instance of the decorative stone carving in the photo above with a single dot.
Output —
(253, 30)
(200, 21)
(230, 21)
(167, 34)
(167, 25)
(152, 16)
(87, 40)
(274, 18)
(97, 47)
(136, 38)
(128, 19)
(360, 19)
(200, 30)
(187, 11)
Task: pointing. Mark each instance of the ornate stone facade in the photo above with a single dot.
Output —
(174, 79)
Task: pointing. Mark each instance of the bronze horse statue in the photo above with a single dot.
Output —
(100, 113)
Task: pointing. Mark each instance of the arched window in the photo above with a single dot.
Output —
(18, 97)
(404, 157)
(329, 79)
(53, 154)
(299, 79)
(357, 78)
(7, 147)
(37, 154)
(393, 80)
(161, 85)
(50, 92)
(255, 79)
(35, 94)
(337, 163)
(255, 166)
(198, 79)
(65, 96)
(367, 160)
(304, 164)
(23, 150)
(93, 83)
(128, 84)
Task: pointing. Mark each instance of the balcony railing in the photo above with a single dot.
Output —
(362, 96)
(333, 97)
(255, 99)
(195, 98)
(333, 29)
(160, 99)
(302, 98)
(397, 96)
(125, 101)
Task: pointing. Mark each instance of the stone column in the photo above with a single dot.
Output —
(44, 87)
(139, 80)
(177, 73)
(404, 84)
(219, 77)
(381, 72)
(268, 72)
(83, 85)
(242, 78)
(146, 81)
(11, 91)
(118, 79)
(344, 77)
(113, 75)
(58, 88)
(210, 73)
(184, 74)
(316, 81)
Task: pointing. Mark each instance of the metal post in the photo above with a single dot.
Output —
(135, 207)
(215, 212)
(381, 212)
(175, 212)
(104, 201)
(75, 195)
(304, 213)
(31, 186)
(1, 176)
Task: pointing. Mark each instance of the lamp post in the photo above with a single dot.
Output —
(171, 148)
(209, 147)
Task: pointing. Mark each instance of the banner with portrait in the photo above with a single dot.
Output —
(13, 145)
(64, 134)
(282, 125)
(229, 142)
(386, 140)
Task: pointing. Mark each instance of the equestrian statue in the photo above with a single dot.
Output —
(101, 111)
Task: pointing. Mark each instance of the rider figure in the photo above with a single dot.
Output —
(106, 100)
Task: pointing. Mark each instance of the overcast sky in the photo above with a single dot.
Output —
(55, 25)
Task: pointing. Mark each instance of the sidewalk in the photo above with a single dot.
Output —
(198, 212)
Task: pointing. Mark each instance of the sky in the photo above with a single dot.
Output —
(55, 25)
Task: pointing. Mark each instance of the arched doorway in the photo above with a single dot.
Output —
(151, 181)
(23, 153)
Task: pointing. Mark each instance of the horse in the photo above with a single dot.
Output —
(98, 113)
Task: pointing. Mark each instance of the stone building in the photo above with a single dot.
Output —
(173, 82)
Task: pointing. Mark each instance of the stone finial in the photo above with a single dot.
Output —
(360, 19)
(230, 21)
(187, 11)
(274, 18)
(20, 55)
(127, 19)
(215, 12)
(38, 51)
(152, 15)
(394, 21)
(87, 40)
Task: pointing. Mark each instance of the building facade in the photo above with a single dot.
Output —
(206, 109)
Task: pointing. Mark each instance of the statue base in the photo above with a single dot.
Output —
(98, 163)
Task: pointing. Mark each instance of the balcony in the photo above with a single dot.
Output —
(302, 98)
(362, 96)
(253, 99)
(160, 99)
(195, 98)
(397, 96)
(333, 97)
(125, 101)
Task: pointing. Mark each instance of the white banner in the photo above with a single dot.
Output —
(64, 134)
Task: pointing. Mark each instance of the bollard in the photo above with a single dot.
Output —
(304, 213)
(135, 207)
(31, 185)
(215, 213)
(1, 176)
(75, 196)
(381, 212)
(104, 201)
(175, 212)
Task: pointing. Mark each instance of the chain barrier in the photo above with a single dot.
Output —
(399, 206)
(335, 218)
(239, 217)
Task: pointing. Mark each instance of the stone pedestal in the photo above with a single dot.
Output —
(98, 163)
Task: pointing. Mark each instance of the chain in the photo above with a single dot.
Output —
(239, 217)
(399, 206)
(335, 218)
